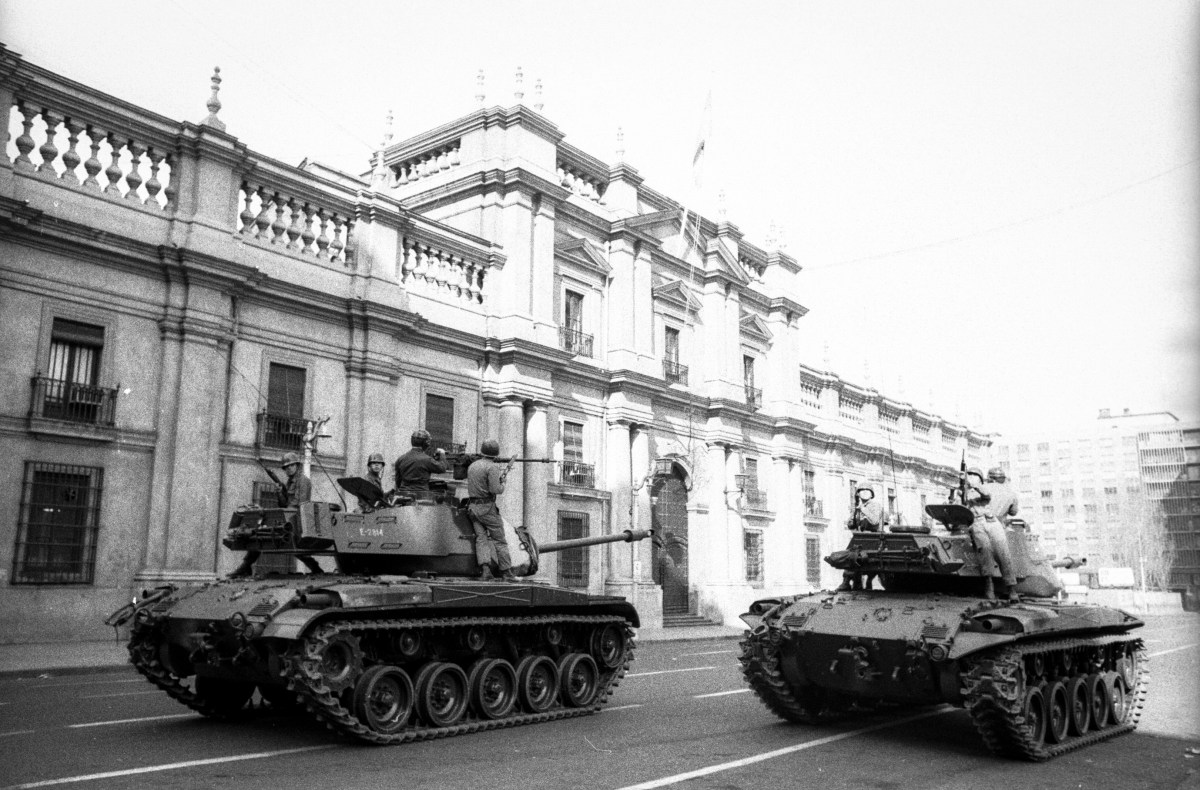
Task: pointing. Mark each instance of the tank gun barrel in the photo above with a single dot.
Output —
(1068, 562)
(628, 536)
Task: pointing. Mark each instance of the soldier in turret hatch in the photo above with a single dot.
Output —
(296, 490)
(485, 482)
(1004, 498)
(988, 534)
(414, 467)
(868, 516)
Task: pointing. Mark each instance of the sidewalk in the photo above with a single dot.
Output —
(72, 658)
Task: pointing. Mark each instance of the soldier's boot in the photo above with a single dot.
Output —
(1009, 591)
(245, 569)
(485, 573)
(846, 584)
(311, 563)
(989, 588)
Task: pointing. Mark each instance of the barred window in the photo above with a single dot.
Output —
(754, 555)
(285, 390)
(573, 563)
(812, 559)
(439, 421)
(59, 522)
(572, 438)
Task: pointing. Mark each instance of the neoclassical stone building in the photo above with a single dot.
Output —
(177, 305)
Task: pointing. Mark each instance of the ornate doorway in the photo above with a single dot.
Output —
(669, 519)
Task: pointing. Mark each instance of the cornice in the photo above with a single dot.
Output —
(779, 304)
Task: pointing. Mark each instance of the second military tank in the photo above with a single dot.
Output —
(403, 642)
(1040, 676)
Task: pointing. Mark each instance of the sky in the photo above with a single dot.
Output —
(996, 204)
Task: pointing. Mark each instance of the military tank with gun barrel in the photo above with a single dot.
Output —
(403, 642)
(1039, 676)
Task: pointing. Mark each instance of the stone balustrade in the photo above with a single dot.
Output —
(432, 270)
(57, 139)
(580, 183)
(427, 163)
(301, 225)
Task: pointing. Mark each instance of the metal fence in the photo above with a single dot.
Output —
(55, 399)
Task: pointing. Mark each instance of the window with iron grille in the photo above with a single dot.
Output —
(573, 563)
(754, 555)
(59, 523)
(812, 559)
(267, 495)
(70, 390)
(574, 470)
(439, 421)
(282, 425)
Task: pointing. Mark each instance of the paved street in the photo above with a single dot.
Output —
(682, 718)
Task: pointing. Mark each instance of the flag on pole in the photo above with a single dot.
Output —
(698, 159)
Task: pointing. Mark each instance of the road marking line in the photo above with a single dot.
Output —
(15, 732)
(758, 758)
(622, 707)
(167, 767)
(86, 683)
(723, 693)
(666, 672)
(1173, 649)
(128, 721)
(709, 653)
(119, 694)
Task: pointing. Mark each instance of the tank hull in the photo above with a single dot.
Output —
(809, 657)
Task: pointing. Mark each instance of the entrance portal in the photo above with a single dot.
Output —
(669, 519)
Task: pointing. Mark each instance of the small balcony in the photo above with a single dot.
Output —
(577, 474)
(813, 506)
(755, 498)
(280, 432)
(578, 343)
(675, 373)
(753, 397)
(55, 399)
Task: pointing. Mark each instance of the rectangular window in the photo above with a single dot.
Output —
(573, 563)
(812, 559)
(1048, 512)
(1067, 493)
(69, 390)
(754, 555)
(1047, 494)
(748, 371)
(59, 522)
(439, 421)
(853, 487)
(671, 345)
(1043, 447)
(573, 311)
(572, 438)
(574, 471)
(282, 425)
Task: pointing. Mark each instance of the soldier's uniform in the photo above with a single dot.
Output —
(414, 467)
(868, 516)
(1003, 504)
(988, 533)
(484, 484)
(296, 491)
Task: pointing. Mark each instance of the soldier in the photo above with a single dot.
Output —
(1004, 499)
(868, 516)
(375, 464)
(988, 534)
(414, 467)
(485, 482)
(369, 499)
(296, 490)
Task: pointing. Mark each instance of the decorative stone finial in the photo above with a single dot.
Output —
(772, 239)
(214, 104)
(620, 144)
(538, 104)
(387, 130)
(479, 94)
(722, 208)
(519, 90)
(825, 355)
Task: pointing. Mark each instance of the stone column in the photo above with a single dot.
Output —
(538, 517)
(512, 442)
(619, 459)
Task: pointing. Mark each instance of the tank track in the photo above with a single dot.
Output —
(304, 676)
(994, 687)
(760, 668)
(144, 657)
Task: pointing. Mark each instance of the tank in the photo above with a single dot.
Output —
(403, 641)
(1039, 676)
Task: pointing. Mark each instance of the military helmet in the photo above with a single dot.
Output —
(975, 470)
(289, 459)
(375, 458)
(868, 489)
(490, 448)
(420, 438)
(997, 474)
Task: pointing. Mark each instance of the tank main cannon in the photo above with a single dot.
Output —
(403, 641)
(1040, 676)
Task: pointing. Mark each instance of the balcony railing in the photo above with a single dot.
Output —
(55, 399)
(578, 474)
(280, 432)
(753, 397)
(813, 506)
(675, 373)
(755, 498)
(578, 343)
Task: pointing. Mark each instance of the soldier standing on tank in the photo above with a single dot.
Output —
(1004, 498)
(414, 467)
(485, 482)
(868, 516)
(375, 464)
(990, 539)
(297, 490)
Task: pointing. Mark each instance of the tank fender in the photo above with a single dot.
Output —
(290, 624)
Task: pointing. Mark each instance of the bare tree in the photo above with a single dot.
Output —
(1136, 537)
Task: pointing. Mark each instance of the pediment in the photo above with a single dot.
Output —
(677, 293)
(754, 326)
(583, 253)
(718, 258)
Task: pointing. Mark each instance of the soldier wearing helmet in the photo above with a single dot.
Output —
(295, 491)
(1003, 503)
(868, 516)
(988, 534)
(414, 467)
(485, 482)
(375, 464)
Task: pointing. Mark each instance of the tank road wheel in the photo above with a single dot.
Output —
(608, 646)
(553, 634)
(408, 643)
(383, 699)
(223, 697)
(442, 693)
(537, 683)
(1097, 701)
(580, 679)
(1034, 711)
(1079, 706)
(474, 639)
(493, 684)
(341, 662)
(1118, 698)
(1058, 712)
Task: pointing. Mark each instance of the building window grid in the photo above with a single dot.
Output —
(439, 422)
(575, 472)
(573, 563)
(59, 524)
(812, 559)
(753, 543)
